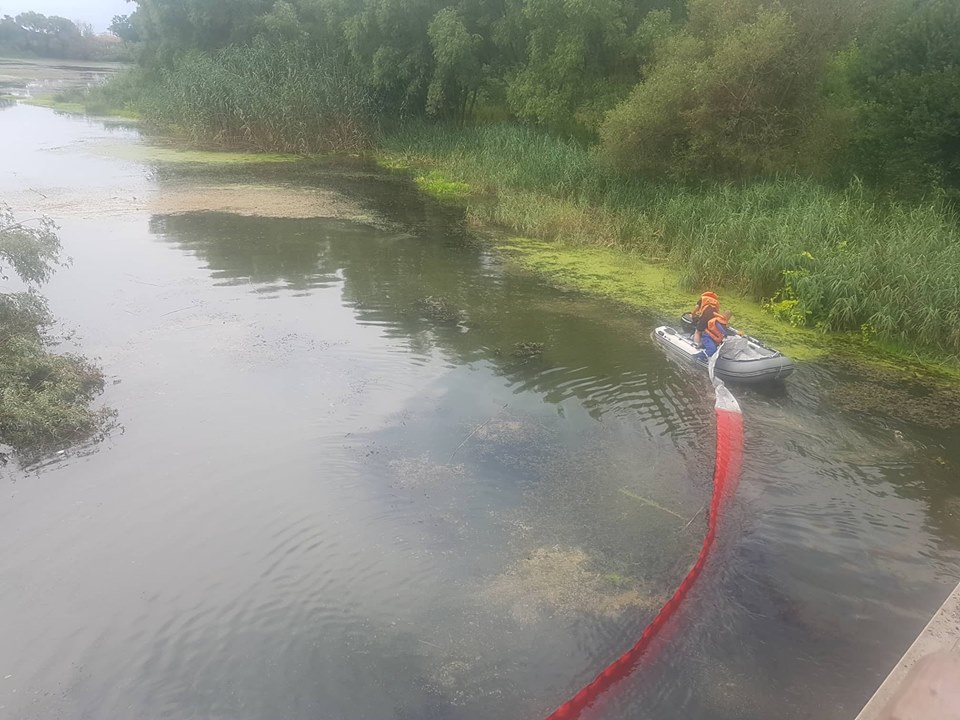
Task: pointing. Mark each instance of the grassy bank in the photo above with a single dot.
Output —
(833, 260)
(120, 97)
(33, 82)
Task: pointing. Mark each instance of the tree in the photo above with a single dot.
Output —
(124, 28)
(170, 27)
(44, 398)
(729, 94)
(579, 58)
(387, 42)
(908, 90)
(10, 34)
(37, 34)
(282, 23)
(33, 22)
(457, 72)
(30, 252)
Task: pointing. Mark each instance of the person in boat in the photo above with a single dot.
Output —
(707, 307)
(717, 330)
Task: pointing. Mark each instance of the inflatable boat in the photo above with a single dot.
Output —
(742, 359)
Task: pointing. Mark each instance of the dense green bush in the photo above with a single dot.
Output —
(693, 89)
(727, 96)
(577, 59)
(122, 95)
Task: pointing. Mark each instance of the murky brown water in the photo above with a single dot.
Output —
(339, 493)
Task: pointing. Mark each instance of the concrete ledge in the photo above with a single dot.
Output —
(925, 684)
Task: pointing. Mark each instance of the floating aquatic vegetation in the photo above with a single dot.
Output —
(506, 429)
(520, 442)
(410, 472)
(262, 200)
(439, 309)
(933, 405)
(558, 581)
(526, 350)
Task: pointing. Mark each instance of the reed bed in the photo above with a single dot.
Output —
(833, 258)
(263, 98)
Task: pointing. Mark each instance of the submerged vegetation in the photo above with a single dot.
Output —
(44, 397)
(803, 153)
(561, 581)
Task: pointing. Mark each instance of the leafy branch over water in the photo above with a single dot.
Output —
(45, 398)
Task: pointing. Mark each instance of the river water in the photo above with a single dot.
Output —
(347, 481)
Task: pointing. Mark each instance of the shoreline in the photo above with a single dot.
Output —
(619, 274)
(625, 276)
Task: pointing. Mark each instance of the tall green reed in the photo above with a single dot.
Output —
(263, 97)
(838, 259)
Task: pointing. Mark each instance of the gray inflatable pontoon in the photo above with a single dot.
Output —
(742, 359)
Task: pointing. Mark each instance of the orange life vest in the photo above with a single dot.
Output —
(713, 331)
(708, 299)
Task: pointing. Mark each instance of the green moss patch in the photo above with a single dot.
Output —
(48, 101)
(173, 155)
(442, 187)
(79, 108)
(625, 277)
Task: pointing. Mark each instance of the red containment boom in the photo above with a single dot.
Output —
(725, 475)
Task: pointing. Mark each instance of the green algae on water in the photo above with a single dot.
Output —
(48, 101)
(433, 182)
(439, 309)
(441, 187)
(555, 581)
(914, 397)
(78, 108)
(625, 277)
(171, 155)
(527, 350)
